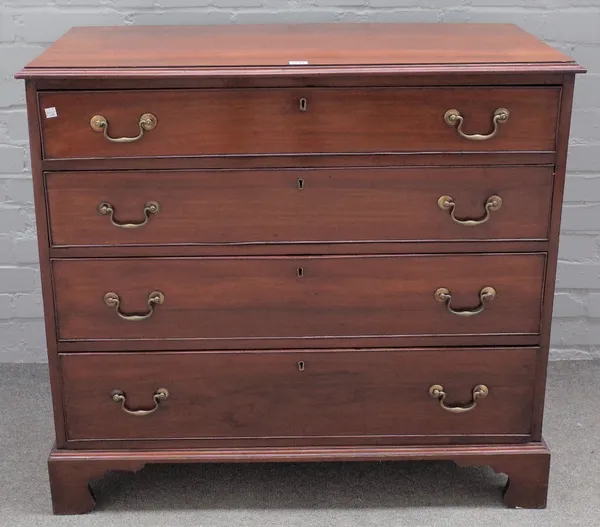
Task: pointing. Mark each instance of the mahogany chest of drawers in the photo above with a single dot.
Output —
(298, 243)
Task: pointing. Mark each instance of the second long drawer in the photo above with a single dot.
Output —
(298, 297)
(296, 206)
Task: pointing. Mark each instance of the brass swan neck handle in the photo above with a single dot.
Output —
(106, 209)
(119, 397)
(443, 295)
(492, 204)
(479, 392)
(454, 118)
(113, 300)
(147, 122)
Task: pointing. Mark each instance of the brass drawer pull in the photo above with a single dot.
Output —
(146, 123)
(119, 397)
(479, 392)
(106, 209)
(492, 204)
(487, 294)
(114, 301)
(453, 118)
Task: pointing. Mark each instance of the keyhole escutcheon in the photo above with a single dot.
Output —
(300, 183)
(303, 104)
(300, 365)
(300, 272)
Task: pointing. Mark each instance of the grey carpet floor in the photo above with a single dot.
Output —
(436, 494)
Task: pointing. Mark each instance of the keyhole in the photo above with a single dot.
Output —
(300, 365)
(300, 272)
(303, 104)
(300, 183)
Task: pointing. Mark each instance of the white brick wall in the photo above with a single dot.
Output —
(27, 26)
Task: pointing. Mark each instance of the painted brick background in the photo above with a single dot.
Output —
(28, 26)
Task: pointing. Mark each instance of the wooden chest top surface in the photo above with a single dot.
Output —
(404, 46)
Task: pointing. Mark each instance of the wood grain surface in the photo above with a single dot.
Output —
(277, 45)
(262, 298)
(298, 205)
(269, 121)
(249, 395)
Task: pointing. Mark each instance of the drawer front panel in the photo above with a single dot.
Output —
(288, 297)
(297, 394)
(292, 206)
(272, 121)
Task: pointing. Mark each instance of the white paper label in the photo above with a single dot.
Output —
(50, 112)
(298, 62)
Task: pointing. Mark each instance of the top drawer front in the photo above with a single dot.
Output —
(274, 121)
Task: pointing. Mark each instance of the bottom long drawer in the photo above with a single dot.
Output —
(341, 394)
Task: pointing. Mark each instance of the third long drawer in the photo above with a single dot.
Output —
(298, 297)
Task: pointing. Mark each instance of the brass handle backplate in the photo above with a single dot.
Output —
(479, 392)
(492, 204)
(114, 301)
(487, 294)
(454, 118)
(147, 122)
(106, 209)
(119, 397)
